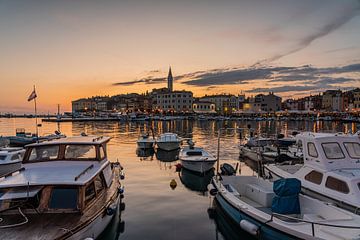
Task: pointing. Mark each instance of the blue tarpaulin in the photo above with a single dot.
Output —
(286, 200)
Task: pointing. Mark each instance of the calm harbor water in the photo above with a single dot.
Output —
(153, 209)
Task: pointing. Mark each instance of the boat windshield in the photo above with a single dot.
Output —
(2, 157)
(353, 149)
(44, 153)
(80, 152)
(333, 150)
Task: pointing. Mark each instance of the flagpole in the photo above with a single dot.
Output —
(37, 131)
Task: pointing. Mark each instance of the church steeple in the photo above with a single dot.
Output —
(170, 80)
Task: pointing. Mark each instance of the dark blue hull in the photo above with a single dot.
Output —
(266, 232)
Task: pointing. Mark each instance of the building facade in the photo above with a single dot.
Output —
(175, 101)
(203, 107)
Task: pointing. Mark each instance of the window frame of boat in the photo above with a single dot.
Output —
(29, 150)
(317, 172)
(97, 193)
(333, 158)
(347, 150)
(317, 153)
(47, 194)
(334, 189)
(96, 147)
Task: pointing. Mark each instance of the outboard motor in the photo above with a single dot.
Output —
(227, 169)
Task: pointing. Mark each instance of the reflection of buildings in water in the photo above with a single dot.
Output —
(195, 181)
(225, 226)
(145, 154)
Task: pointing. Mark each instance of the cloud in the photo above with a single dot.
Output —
(337, 20)
(147, 80)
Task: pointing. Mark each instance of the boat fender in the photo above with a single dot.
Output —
(110, 211)
(249, 227)
(121, 190)
(212, 190)
(122, 176)
(88, 238)
(122, 206)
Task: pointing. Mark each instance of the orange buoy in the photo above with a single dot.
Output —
(173, 184)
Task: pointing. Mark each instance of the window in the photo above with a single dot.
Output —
(64, 198)
(90, 193)
(99, 184)
(312, 150)
(314, 177)
(15, 157)
(333, 150)
(337, 185)
(80, 152)
(2, 157)
(102, 152)
(43, 153)
(353, 149)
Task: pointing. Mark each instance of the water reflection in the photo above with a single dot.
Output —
(224, 226)
(145, 154)
(167, 156)
(195, 181)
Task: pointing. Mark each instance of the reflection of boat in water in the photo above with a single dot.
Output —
(145, 153)
(167, 156)
(225, 226)
(196, 181)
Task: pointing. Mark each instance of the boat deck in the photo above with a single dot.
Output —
(43, 226)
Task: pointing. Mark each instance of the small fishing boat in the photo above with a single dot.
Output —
(253, 147)
(196, 158)
(168, 141)
(66, 189)
(330, 170)
(274, 211)
(145, 141)
(10, 159)
(23, 138)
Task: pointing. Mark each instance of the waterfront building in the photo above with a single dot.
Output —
(203, 107)
(175, 101)
(356, 100)
(269, 103)
(97, 103)
(328, 102)
(224, 103)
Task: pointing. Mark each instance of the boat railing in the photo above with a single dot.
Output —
(310, 222)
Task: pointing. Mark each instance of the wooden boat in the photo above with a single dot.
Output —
(330, 170)
(277, 211)
(66, 189)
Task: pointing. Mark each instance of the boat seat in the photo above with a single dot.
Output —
(259, 194)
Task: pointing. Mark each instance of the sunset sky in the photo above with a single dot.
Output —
(71, 48)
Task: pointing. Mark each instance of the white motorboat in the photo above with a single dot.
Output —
(168, 141)
(196, 159)
(274, 211)
(253, 147)
(66, 189)
(145, 141)
(330, 171)
(10, 159)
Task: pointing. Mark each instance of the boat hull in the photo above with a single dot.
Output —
(97, 226)
(168, 146)
(200, 166)
(265, 232)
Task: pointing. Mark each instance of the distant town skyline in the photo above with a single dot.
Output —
(75, 49)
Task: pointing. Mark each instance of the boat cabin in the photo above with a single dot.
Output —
(67, 175)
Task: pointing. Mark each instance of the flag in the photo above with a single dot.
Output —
(32, 95)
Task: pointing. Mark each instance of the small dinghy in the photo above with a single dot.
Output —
(145, 141)
(196, 158)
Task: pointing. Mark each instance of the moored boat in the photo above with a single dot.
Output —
(196, 159)
(168, 141)
(66, 189)
(145, 141)
(277, 211)
(330, 170)
(10, 159)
